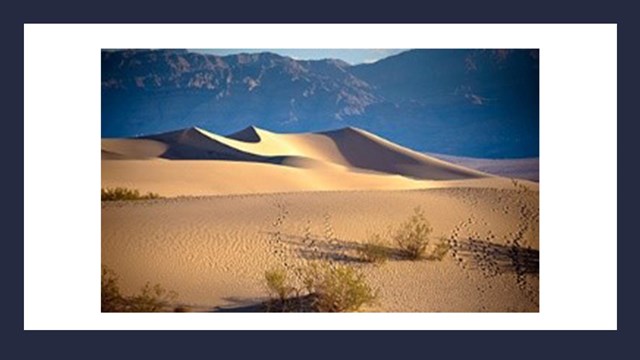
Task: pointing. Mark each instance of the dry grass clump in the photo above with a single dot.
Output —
(340, 289)
(150, 299)
(326, 288)
(440, 250)
(413, 236)
(278, 285)
(121, 193)
(413, 240)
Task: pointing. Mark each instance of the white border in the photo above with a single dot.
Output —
(578, 169)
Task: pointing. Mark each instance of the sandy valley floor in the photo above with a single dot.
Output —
(214, 250)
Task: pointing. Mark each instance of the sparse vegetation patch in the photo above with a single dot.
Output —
(413, 236)
(121, 193)
(325, 288)
(152, 298)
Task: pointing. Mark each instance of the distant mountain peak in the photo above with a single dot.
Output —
(334, 62)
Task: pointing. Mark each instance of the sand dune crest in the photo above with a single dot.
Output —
(348, 148)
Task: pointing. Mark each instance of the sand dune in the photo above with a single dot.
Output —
(221, 177)
(197, 162)
(133, 148)
(351, 148)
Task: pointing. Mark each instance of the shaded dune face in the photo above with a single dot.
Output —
(192, 144)
(348, 148)
(365, 150)
(248, 134)
(135, 149)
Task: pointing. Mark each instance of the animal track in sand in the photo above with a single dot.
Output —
(474, 252)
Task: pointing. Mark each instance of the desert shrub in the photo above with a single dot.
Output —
(321, 283)
(112, 300)
(341, 288)
(121, 193)
(374, 250)
(440, 250)
(326, 288)
(150, 299)
(277, 284)
(413, 235)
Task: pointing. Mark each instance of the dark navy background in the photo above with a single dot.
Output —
(17, 343)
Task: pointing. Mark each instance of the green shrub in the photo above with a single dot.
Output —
(120, 193)
(413, 235)
(374, 250)
(342, 288)
(322, 284)
(277, 284)
(326, 288)
(151, 298)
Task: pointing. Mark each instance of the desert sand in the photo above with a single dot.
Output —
(239, 205)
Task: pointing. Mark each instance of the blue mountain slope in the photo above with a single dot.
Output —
(481, 103)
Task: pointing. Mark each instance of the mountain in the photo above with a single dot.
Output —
(481, 103)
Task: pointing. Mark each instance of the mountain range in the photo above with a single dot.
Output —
(467, 102)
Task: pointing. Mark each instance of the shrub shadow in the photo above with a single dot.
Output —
(337, 250)
(303, 303)
(496, 259)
